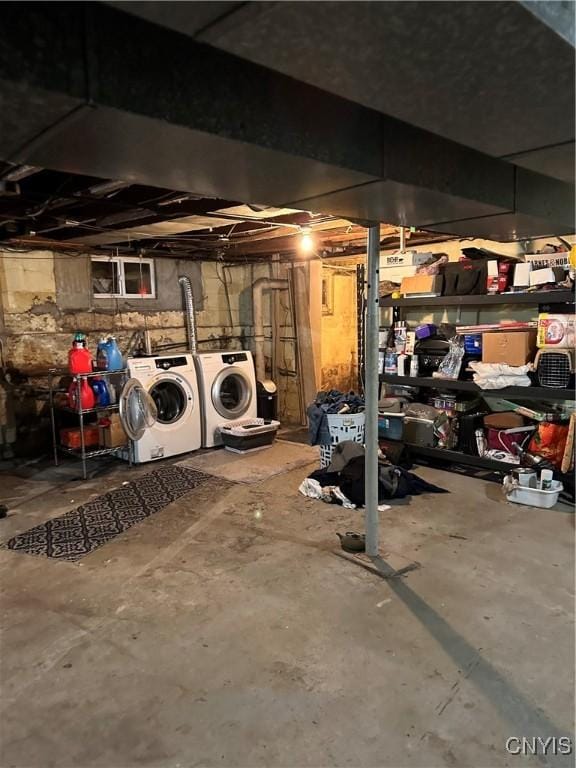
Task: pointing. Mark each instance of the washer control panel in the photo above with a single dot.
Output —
(235, 357)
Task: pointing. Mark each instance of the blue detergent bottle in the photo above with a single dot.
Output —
(102, 354)
(101, 392)
(115, 361)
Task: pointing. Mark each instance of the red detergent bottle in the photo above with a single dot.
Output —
(87, 397)
(79, 357)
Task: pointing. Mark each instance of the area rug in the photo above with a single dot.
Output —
(254, 467)
(84, 529)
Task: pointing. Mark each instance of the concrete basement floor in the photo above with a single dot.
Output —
(223, 631)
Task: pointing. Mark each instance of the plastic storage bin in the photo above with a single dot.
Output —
(247, 435)
(391, 426)
(419, 431)
(535, 497)
(70, 437)
(348, 426)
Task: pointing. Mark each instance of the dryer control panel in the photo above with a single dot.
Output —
(165, 363)
(235, 357)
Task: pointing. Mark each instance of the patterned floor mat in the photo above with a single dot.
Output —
(84, 529)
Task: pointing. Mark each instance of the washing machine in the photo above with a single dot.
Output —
(227, 383)
(160, 407)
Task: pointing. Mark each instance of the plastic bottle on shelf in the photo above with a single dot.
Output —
(87, 398)
(391, 362)
(79, 357)
(101, 392)
(102, 354)
(115, 361)
(402, 364)
(414, 366)
(112, 396)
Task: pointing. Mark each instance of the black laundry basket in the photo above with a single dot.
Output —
(241, 436)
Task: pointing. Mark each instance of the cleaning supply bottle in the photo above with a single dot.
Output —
(87, 398)
(112, 396)
(101, 392)
(102, 354)
(391, 362)
(79, 357)
(402, 358)
(115, 361)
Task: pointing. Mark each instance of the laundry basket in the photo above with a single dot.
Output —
(248, 434)
(349, 426)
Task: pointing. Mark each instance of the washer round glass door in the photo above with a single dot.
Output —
(137, 409)
(170, 399)
(231, 393)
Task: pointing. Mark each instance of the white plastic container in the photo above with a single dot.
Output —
(535, 497)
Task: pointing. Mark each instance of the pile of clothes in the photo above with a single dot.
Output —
(326, 403)
(342, 481)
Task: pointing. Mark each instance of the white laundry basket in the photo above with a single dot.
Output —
(346, 426)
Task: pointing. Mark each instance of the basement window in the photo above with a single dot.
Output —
(127, 277)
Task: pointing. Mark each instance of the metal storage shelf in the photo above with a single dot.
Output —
(544, 299)
(456, 457)
(536, 297)
(85, 411)
(83, 453)
(526, 393)
(90, 453)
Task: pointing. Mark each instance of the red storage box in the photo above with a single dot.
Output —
(70, 438)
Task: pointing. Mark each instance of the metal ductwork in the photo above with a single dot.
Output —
(189, 315)
(333, 154)
(261, 285)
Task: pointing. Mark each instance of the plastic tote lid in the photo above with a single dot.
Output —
(267, 386)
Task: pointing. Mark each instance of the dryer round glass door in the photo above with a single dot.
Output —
(170, 399)
(231, 393)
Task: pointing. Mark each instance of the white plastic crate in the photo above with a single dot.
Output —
(347, 426)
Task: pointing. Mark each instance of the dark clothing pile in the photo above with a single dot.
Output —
(333, 401)
(347, 472)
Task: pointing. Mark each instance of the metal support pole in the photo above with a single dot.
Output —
(371, 392)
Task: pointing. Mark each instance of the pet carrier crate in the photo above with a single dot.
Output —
(555, 368)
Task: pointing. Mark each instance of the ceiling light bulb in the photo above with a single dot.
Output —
(306, 241)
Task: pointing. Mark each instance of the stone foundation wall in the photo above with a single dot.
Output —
(46, 297)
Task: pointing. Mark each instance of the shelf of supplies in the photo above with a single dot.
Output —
(85, 411)
(526, 393)
(90, 453)
(456, 457)
(536, 297)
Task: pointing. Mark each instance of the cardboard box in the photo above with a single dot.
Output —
(410, 342)
(547, 275)
(421, 285)
(509, 347)
(522, 275)
(557, 330)
(408, 259)
(112, 434)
